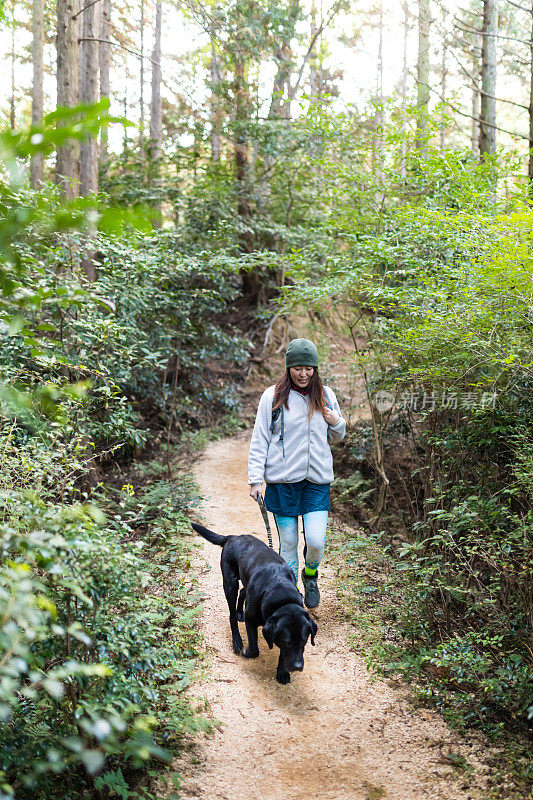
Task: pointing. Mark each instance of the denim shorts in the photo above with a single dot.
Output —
(295, 499)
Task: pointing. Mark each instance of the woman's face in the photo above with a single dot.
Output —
(301, 376)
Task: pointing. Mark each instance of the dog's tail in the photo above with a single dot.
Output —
(211, 536)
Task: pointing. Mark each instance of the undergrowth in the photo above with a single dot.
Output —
(380, 597)
(98, 606)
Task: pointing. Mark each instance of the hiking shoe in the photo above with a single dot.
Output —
(311, 593)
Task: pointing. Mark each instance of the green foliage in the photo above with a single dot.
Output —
(463, 675)
(95, 659)
(153, 311)
(98, 636)
(434, 271)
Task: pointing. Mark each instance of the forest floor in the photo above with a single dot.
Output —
(335, 732)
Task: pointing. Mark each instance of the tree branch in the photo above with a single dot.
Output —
(92, 3)
(321, 27)
(495, 35)
(477, 119)
(522, 8)
(476, 84)
(122, 47)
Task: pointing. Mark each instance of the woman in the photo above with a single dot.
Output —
(296, 420)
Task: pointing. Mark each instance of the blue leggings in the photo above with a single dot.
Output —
(314, 524)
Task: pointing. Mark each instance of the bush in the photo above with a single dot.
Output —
(434, 285)
(94, 656)
(97, 609)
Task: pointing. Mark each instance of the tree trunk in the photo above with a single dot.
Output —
(241, 149)
(89, 63)
(315, 79)
(155, 111)
(89, 94)
(405, 72)
(443, 76)
(316, 85)
(530, 162)
(12, 99)
(475, 106)
(279, 103)
(487, 125)
(125, 113)
(141, 94)
(250, 279)
(280, 107)
(422, 72)
(37, 103)
(104, 53)
(215, 100)
(377, 139)
(67, 165)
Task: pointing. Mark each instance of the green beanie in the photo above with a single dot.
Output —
(301, 353)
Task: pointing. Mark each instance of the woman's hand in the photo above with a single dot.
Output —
(255, 490)
(331, 416)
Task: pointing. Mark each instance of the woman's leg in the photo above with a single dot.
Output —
(288, 540)
(315, 523)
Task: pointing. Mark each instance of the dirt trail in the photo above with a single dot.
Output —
(332, 733)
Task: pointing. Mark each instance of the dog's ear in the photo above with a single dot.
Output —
(268, 633)
(314, 629)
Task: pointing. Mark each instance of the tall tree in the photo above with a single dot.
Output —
(37, 103)
(155, 107)
(314, 66)
(89, 94)
(487, 123)
(377, 138)
(215, 104)
(67, 165)
(141, 82)
(125, 113)
(422, 70)
(405, 72)
(242, 105)
(530, 162)
(280, 106)
(474, 139)
(13, 56)
(104, 54)
(241, 92)
(443, 81)
(280, 101)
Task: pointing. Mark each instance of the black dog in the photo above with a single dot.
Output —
(272, 600)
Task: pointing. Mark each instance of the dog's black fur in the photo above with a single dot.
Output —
(272, 600)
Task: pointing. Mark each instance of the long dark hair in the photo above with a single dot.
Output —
(317, 395)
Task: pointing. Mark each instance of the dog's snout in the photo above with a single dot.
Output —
(299, 665)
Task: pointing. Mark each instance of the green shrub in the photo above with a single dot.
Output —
(94, 657)
(431, 275)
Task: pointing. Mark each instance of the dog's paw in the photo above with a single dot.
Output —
(249, 653)
(283, 677)
(237, 645)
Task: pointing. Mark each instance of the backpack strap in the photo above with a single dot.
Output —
(275, 415)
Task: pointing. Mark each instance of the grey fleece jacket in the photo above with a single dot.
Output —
(307, 451)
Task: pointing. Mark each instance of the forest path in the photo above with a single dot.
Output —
(332, 733)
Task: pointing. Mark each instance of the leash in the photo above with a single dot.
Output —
(264, 512)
